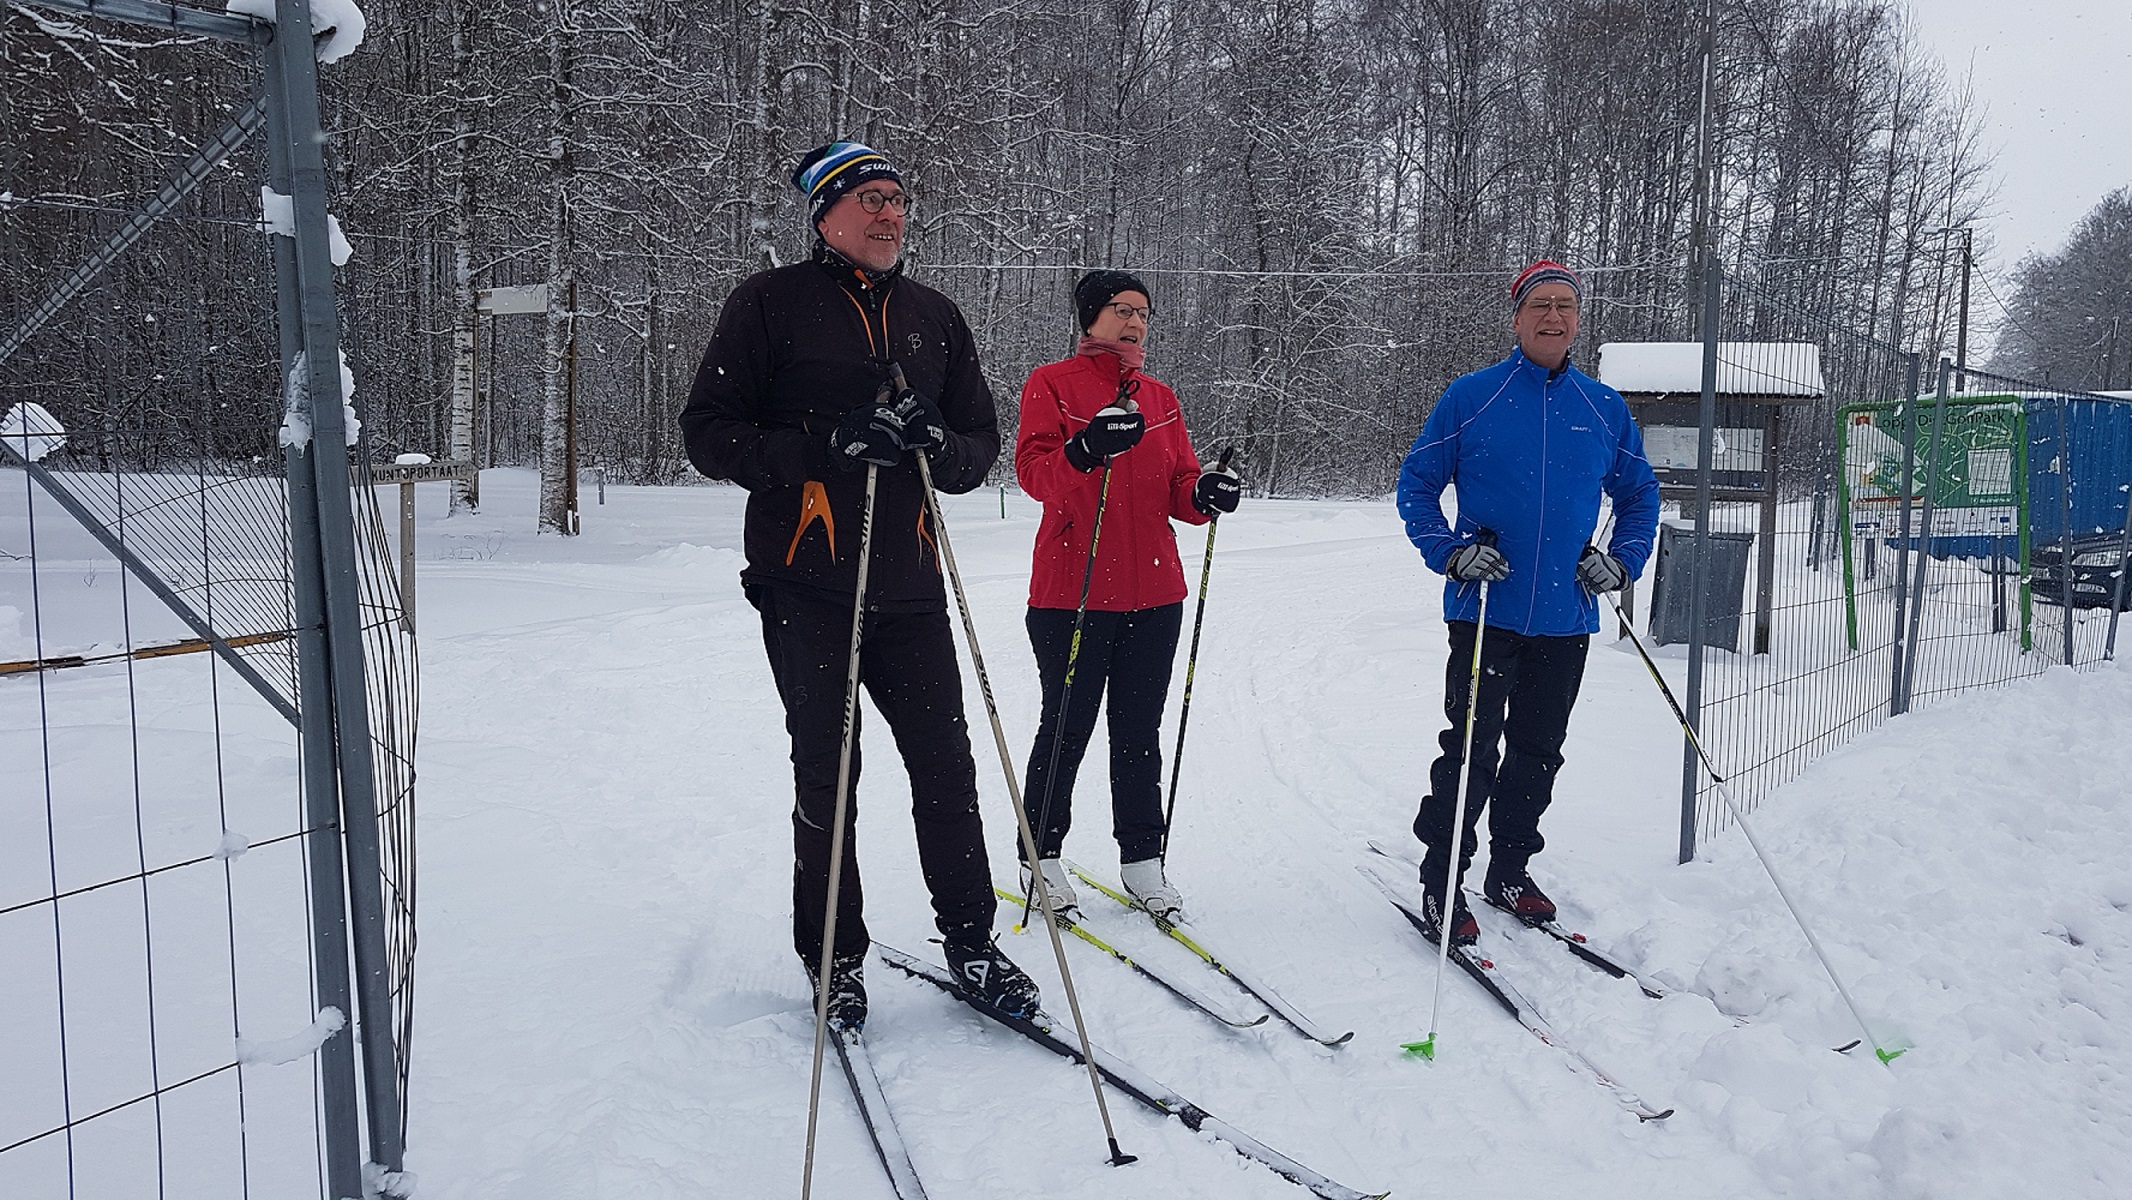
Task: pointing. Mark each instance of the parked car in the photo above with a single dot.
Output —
(2098, 562)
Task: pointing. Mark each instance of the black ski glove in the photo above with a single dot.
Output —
(1217, 492)
(1112, 432)
(1600, 572)
(870, 434)
(924, 429)
(1478, 561)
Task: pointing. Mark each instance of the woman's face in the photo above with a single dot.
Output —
(1124, 319)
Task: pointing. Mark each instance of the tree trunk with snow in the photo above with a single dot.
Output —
(555, 367)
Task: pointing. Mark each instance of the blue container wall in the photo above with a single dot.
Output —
(2097, 446)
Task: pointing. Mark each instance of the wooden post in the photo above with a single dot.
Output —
(570, 417)
(1766, 565)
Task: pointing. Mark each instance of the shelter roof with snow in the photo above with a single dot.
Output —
(1765, 372)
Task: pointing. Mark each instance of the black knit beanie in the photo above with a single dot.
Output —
(1098, 288)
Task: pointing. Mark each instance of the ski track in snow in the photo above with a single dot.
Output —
(608, 1004)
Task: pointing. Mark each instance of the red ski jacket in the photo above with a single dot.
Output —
(1136, 562)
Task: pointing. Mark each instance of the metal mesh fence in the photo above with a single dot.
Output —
(155, 967)
(1882, 534)
(160, 936)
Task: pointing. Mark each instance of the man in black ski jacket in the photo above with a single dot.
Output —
(795, 399)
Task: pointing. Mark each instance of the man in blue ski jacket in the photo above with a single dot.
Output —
(1529, 444)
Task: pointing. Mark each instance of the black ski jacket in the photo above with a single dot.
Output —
(797, 348)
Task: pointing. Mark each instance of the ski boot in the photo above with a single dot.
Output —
(1144, 881)
(1465, 931)
(1515, 893)
(847, 991)
(991, 978)
(1060, 886)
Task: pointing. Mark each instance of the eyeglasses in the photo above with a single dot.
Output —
(1127, 312)
(874, 202)
(1543, 307)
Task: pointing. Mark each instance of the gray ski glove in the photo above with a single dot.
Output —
(1477, 562)
(1601, 572)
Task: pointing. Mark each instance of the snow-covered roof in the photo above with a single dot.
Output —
(1743, 368)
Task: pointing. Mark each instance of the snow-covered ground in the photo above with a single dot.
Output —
(608, 1004)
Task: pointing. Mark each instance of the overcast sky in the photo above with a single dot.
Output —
(2056, 76)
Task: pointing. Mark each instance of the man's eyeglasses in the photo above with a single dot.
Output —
(1127, 312)
(1543, 307)
(874, 202)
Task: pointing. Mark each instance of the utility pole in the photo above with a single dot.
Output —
(1961, 337)
(2109, 357)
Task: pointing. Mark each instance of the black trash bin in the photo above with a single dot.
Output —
(1724, 590)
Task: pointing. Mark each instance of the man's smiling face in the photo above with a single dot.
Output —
(1546, 323)
(873, 240)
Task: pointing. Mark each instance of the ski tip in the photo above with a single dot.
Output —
(1849, 1046)
(1889, 1056)
(1342, 1040)
(1425, 1048)
(1654, 1116)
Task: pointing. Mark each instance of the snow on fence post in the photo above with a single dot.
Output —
(322, 528)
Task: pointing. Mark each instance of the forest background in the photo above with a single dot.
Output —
(1327, 197)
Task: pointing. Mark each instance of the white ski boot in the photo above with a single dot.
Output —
(1059, 884)
(1144, 882)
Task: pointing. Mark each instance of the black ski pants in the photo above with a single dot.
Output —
(1127, 655)
(1528, 686)
(907, 664)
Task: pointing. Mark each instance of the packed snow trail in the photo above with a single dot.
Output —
(610, 1004)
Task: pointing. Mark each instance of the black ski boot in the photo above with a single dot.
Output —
(1465, 931)
(847, 991)
(992, 978)
(1515, 893)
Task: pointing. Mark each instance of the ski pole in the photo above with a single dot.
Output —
(1126, 388)
(1427, 1046)
(1191, 663)
(1739, 815)
(836, 830)
(1118, 1158)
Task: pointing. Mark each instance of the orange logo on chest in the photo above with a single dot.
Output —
(814, 506)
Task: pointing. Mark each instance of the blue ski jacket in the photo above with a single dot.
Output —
(1529, 451)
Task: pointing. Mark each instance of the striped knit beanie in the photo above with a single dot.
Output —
(827, 172)
(1543, 271)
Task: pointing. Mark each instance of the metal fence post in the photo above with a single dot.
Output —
(321, 777)
(1924, 544)
(2065, 529)
(2117, 592)
(327, 463)
(1902, 548)
(1705, 457)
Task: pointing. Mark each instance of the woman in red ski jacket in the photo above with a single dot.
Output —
(1089, 423)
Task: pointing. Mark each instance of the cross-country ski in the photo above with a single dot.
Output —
(1054, 1035)
(880, 1121)
(1491, 979)
(1185, 991)
(1191, 939)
